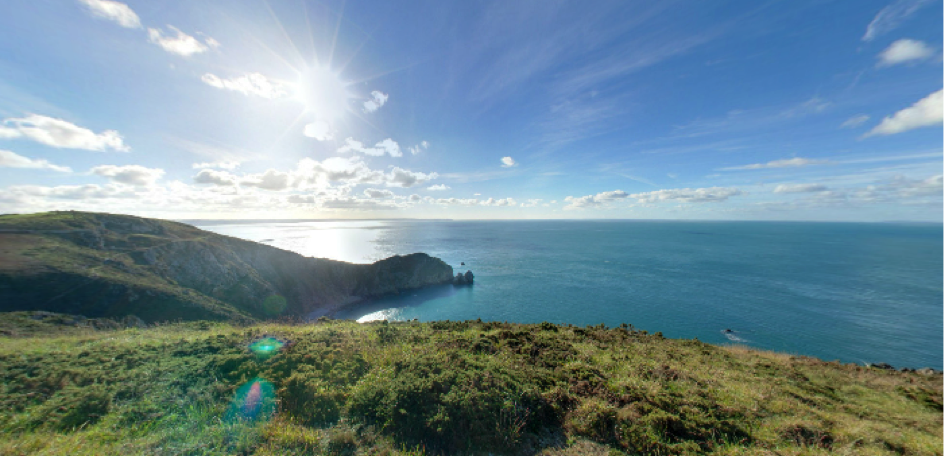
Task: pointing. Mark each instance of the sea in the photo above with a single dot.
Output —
(853, 292)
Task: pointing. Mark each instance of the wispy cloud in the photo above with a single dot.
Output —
(180, 44)
(251, 84)
(387, 146)
(892, 16)
(116, 12)
(135, 175)
(10, 159)
(60, 133)
(855, 121)
(783, 163)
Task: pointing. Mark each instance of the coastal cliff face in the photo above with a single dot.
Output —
(103, 265)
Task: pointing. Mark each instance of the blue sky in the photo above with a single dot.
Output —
(777, 110)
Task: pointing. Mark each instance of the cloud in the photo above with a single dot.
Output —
(182, 44)
(420, 147)
(799, 188)
(226, 165)
(134, 175)
(415, 198)
(387, 146)
(855, 121)
(701, 195)
(320, 130)
(903, 51)
(9, 159)
(399, 177)
(438, 187)
(219, 178)
(270, 180)
(532, 202)
(62, 134)
(905, 187)
(356, 204)
(890, 17)
(378, 193)
(113, 11)
(79, 193)
(508, 162)
(377, 100)
(456, 201)
(251, 84)
(499, 202)
(784, 163)
(594, 200)
(927, 112)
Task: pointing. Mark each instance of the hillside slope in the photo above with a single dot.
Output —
(343, 388)
(105, 265)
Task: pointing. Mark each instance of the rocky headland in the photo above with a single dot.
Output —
(106, 265)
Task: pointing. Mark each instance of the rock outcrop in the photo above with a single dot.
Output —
(103, 265)
(464, 279)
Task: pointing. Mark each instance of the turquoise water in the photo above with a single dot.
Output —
(852, 292)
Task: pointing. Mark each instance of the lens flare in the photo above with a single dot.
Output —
(266, 347)
(254, 400)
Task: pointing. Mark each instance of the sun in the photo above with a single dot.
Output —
(323, 93)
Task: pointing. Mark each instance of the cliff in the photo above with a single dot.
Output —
(105, 265)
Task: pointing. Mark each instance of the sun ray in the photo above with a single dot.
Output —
(362, 118)
(287, 129)
(284, 33)
(356, 51)
(261, 43)
(337, 29)
(311, 34)
(378, 75)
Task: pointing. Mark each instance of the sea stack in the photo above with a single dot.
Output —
(464, 279)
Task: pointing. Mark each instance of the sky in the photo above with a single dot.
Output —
(297, 109)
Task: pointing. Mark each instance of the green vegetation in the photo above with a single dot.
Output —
(338, 387)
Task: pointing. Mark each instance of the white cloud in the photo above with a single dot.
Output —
(499, 202)
(438, 187)
(387, 146)
(226, 165)
(251, 84)
(927, 112)
(532, 202)
(378, 193)
(891, 17)
(219, 178)
(701, 195)
(377, 99)
(10, 159)
(508, 162)
(905, 187)
(134, 175)
(783, 163)
(113, 11)
(320, 130)
(456, 201)
(855, 121)
(415, 198)
(594, 200)
(62, 134)
(399, 177)
(904, 50)
(270, 180)
(79, 193)
(420, 147)
(356, 204)
(798, 188)
(182, 44)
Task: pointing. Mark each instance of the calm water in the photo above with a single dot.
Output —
(853, 292)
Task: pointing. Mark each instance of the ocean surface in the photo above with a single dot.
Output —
(853, 292)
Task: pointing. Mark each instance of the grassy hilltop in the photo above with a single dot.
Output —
(74, 386)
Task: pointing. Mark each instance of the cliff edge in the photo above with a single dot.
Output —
(107, 265)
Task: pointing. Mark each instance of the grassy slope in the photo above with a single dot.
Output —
(71, 277)
(443, 387)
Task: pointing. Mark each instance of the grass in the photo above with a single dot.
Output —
(338, 387)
